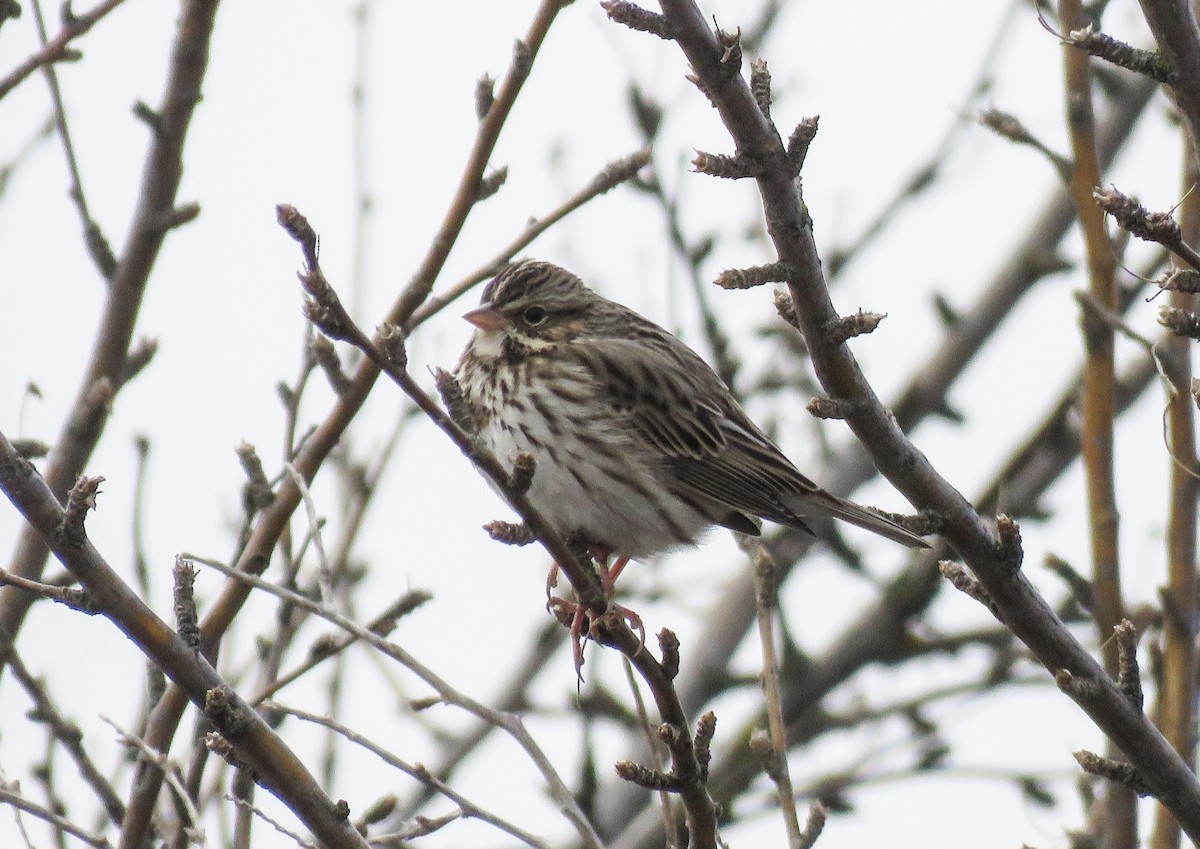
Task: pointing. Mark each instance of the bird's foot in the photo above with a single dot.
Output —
(573, 615)
(577, 618)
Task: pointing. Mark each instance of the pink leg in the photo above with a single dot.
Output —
(572, 614)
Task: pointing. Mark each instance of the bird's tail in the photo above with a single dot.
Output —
(863, 517)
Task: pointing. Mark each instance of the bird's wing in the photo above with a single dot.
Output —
(682, 410)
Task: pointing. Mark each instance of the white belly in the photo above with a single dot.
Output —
(592, 476)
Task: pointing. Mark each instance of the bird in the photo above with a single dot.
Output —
(639, 447)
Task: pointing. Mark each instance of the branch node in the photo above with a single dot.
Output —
(30, 449)
(223, 749)
(700, 84)
(522, 60)
(325, 356)
(256, 492)
(491, 184)
(99, 249)
(186, 621)
(521, 477)
(968, 585)
(510, 533)
(138, 358)
(390, 339)
(1180, 280)
(485, 95)
(1150, 226)
(1008, 546)
(80, 500)
(755, 275)
(799, 142)
(1080, 689)
(1180, 322)
(1129, 678)
(730, 43)
(670, 734)
(849, 326)
(637, 18)
(183, 214)
(760, 86)
(828, 408)
(786, 308)
(1113, 770)
(148, 116)
(668, 644)
(1149, 63)
(736, 167)
(222, 708)
(456, 403)
(651, 779)
(706, 728)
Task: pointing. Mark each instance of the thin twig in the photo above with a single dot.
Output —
(97, 245)
(69, 737)
(170, 774)
(279, 768)
(324, 575)
(510, 723)
(469, 808)
(612, 174)
(57, 48)
(273, 522)
(8, 797)
(766, 579)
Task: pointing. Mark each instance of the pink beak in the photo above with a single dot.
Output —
(487, 318)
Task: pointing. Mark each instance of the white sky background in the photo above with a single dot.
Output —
(887, 79)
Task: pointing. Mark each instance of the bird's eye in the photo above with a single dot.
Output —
(534, 315)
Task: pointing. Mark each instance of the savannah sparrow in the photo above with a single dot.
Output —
(639, 446)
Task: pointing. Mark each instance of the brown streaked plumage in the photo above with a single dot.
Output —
(639, 445)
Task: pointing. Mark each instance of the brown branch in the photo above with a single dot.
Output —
(277, 767)
(1175, 710)
(1149, 226)
(85, 422)
(1024, 610)
(766, 600)
(1008, 126)
(1050, 447)
(272, 522)
(1099, 408)
(609, 627)
(449, 694)
(1173, 25)
(69, 736)
(1151, 63)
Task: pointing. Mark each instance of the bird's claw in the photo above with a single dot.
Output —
(574, 615)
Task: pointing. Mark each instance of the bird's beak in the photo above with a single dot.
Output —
(487, 317)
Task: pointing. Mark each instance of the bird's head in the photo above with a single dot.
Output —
(536, 304)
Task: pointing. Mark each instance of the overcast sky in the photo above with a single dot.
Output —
(888, 81)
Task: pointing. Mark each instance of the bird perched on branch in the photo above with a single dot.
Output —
(639, 446)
